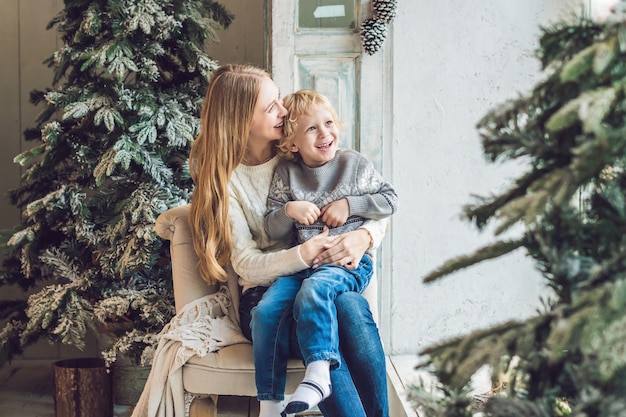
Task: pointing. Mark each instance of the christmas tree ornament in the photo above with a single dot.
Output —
(373, 30)
(373, 34)
(385, 10)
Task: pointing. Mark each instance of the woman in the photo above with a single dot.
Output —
(231, 163)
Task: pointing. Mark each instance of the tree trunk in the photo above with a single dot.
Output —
(82, 388)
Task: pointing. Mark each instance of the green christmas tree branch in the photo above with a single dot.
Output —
(568, 359)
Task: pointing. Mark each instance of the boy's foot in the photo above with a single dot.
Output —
(270, 408)
(307, 395)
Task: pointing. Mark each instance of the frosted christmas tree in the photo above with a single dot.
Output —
(109, 153)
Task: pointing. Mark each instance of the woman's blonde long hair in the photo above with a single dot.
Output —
(219, 148)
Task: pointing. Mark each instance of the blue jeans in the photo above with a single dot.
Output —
(312, 294)
(360, 386)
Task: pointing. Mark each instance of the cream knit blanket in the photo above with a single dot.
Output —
(203, 326)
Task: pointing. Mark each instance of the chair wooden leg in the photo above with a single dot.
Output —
(203, 407)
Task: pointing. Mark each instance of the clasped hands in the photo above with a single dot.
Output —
(344, 250)
(333, 215)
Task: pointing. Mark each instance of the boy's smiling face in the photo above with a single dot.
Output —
(317, 137)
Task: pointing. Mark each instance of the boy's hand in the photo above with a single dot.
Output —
(303, 212)
(336, 213)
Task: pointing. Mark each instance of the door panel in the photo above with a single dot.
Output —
(326, 14)
(315, 44)
(325, 54)
(333, 76)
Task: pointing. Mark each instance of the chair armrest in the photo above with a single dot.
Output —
(173, 225)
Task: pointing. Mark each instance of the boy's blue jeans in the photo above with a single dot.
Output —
(309, 297)
(360, 384)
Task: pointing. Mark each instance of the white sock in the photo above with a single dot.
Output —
(270, 408)
(314, 388)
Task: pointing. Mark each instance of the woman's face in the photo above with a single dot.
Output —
(267, 121)
(317, 137)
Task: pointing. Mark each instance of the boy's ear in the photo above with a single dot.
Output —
(293, 148)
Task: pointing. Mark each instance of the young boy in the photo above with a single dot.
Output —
(316, 186)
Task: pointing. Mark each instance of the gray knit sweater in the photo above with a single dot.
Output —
(349, 175)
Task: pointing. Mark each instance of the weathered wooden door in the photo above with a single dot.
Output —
(316, 44)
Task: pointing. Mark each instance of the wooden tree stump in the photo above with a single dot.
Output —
(82, 388)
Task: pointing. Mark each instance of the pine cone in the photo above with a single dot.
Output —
(373, 34)
(385, 10)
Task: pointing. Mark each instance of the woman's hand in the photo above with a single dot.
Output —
(344, 250)
(312, 248)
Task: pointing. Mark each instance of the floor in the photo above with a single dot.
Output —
(403, 376)
(26, 391)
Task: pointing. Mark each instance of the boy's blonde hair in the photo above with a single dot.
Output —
(299, 104)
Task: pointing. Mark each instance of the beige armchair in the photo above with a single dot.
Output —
(229, 371)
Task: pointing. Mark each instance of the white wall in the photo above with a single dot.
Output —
(452, 62)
